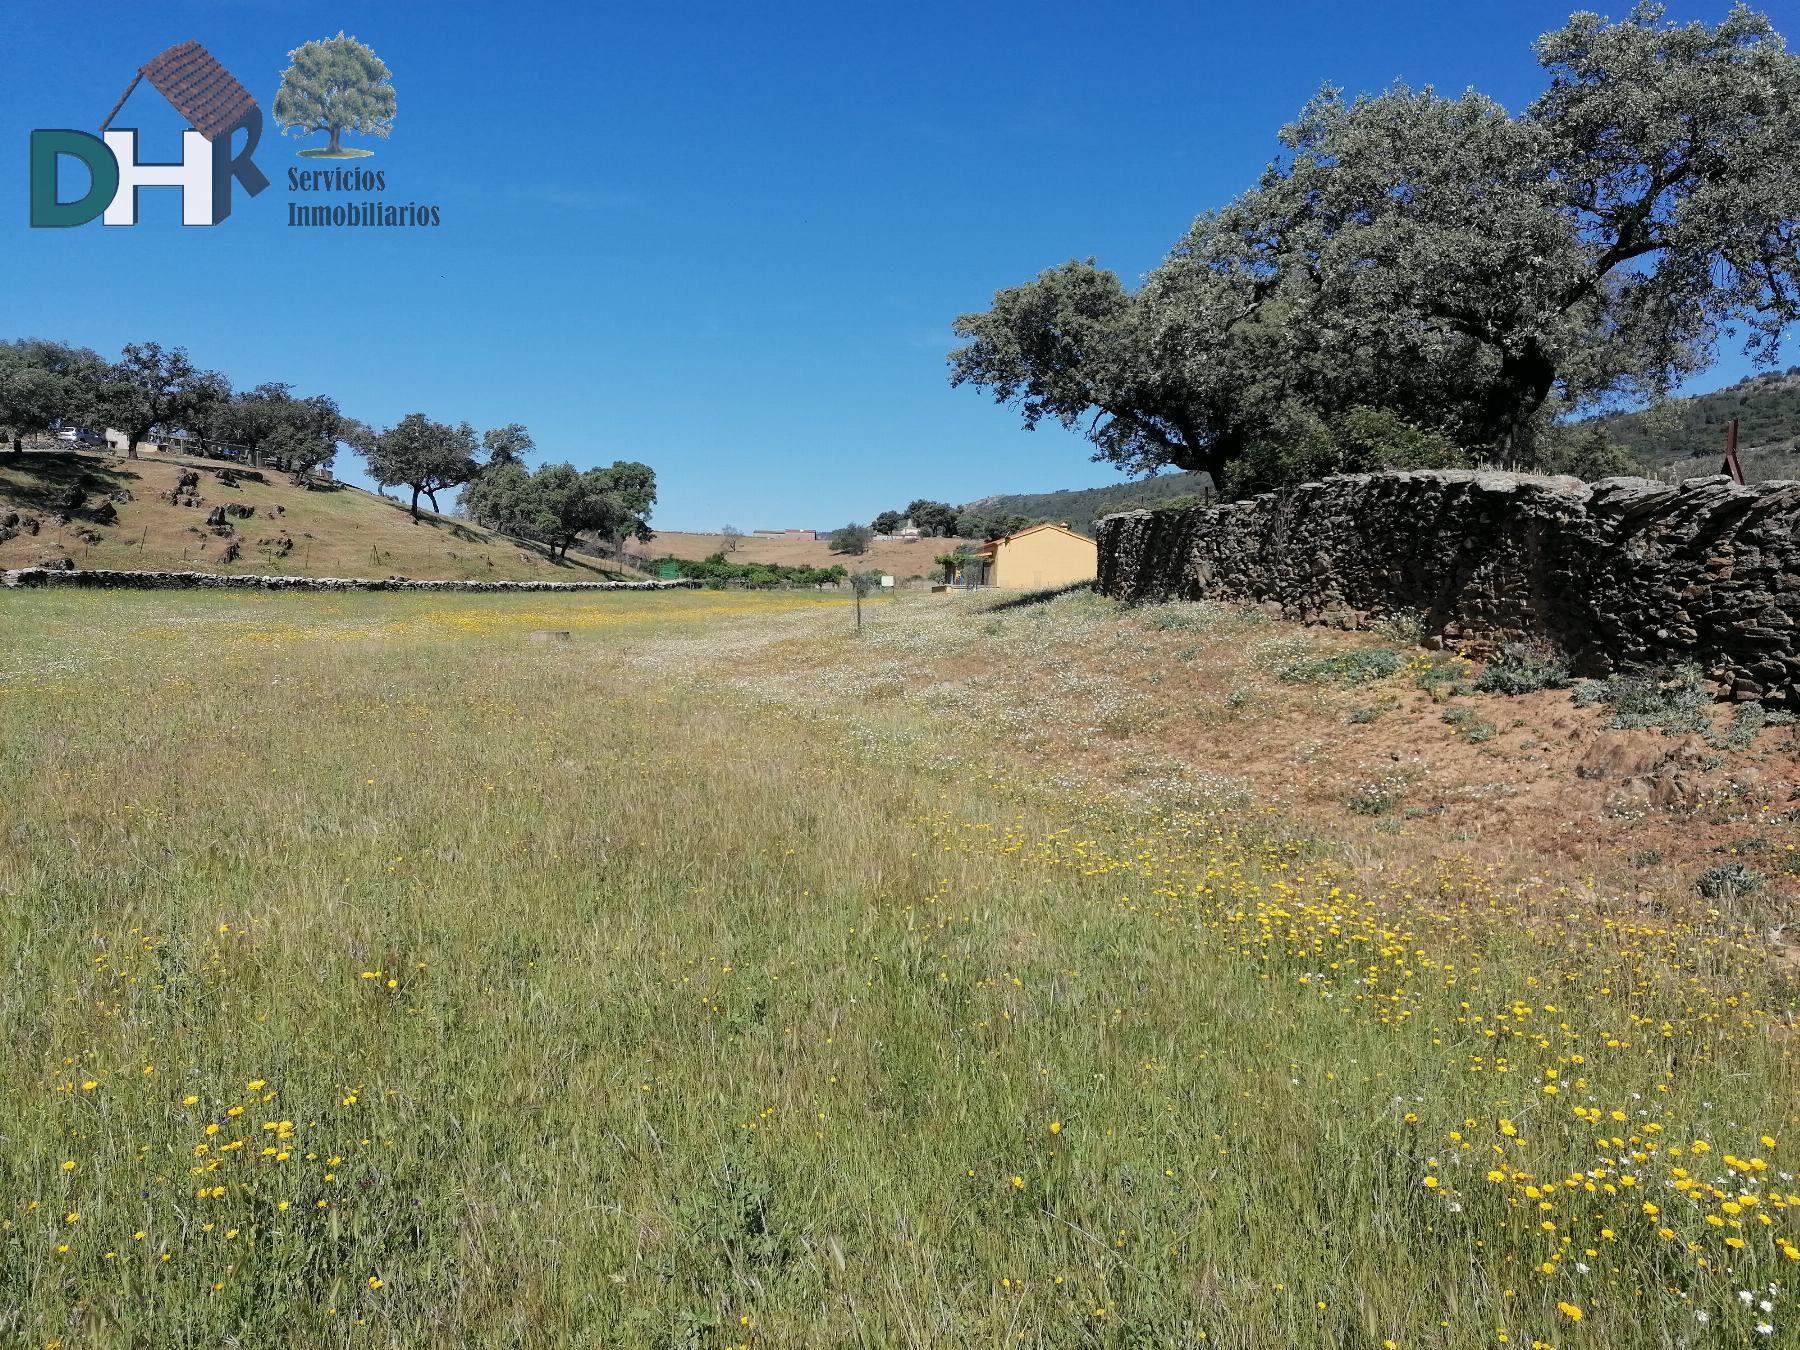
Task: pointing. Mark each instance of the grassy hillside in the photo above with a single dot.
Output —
(897, 557)
(1689, 436)
(106, 511)
(1079, 508)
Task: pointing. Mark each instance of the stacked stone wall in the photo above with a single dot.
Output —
(1620, 573)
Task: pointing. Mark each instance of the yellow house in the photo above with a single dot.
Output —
(1038, 557)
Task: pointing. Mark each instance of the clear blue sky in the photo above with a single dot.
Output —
(727, 239)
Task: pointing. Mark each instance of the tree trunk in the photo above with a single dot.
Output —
(432, 493)
(1524, 382)
(415, 503)
(334, 148)
(1209, 457)
(18, 445)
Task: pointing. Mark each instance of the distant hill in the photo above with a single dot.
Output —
(1683, 439)
(899, 557)
(1079, 508)
(1688, 435)
(102, 510)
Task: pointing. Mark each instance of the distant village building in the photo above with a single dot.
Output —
(118, 442)
(907, 532)
(1038, 557)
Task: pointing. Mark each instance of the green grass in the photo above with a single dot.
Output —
(612, 995)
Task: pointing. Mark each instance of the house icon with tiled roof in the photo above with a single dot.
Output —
(197, 87)
(216, 107)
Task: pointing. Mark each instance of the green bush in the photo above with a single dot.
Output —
(1302, 447)
(1441, 674)
(1746, 722)
(1584, 451)
(1518, 670)
(1728, 879)
(1668, 701)
(1406, 626)
(715, 570)
(1358, 667)
(1471, 724)
(1374, 799)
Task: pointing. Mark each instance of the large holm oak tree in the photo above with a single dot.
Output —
(420, 454)
(1470, 270)
(335, 85)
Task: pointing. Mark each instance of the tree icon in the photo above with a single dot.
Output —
(335, 85)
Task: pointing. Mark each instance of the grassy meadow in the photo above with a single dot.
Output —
(376, 976)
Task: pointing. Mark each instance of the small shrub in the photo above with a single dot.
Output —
(1746, 723)
(1518, 670)
(1728, 879)
(1588, 693)
(1360, 716)
(1441, 674)
(1470, 724)
(1374, 799)
(1357, 667)
(1671, 702)
(1405, 626)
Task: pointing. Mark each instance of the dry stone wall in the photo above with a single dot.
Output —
(1609, 575)
(170, 581)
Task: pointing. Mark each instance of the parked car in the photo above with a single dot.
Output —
(79, 436)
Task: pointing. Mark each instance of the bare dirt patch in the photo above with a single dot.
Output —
(1368, 741)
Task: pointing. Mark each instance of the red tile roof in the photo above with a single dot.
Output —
(201, 89)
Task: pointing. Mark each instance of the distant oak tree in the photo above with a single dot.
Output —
(151, 386)
(43, 384)
(851, 539)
